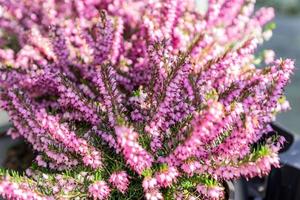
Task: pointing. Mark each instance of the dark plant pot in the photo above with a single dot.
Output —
(284, 182)
(230, 190)
(14, 154)
(236, 190)
(5, 144)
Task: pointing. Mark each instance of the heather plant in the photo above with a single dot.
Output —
(139, 99)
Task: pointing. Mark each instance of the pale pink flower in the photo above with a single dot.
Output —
(99, 190)
(120, 180)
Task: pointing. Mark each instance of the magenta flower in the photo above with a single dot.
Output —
(99, 190)
(120, 180)
(136, 157)
(167, 177)
(213, 193)
(146, 99)
(11, 190)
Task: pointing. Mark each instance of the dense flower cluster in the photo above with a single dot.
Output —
(99, 190)
(132, 99)
(211, 193)
(11, 190)
(120, 180)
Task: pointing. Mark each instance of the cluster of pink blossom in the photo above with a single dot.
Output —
(213, 193)
(139, 98)
(99, 190)
(167, 177)
(120, 180)
(151, 188)
(12, 190)
(136, 157)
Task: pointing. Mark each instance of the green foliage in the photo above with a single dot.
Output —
(212, 94)
(144, 141)
(14, 175)
(188, 183)
(120, 120)
(219, 140)
(81, 128)
(137, 93)
(135, 191)
(270, 26)
(163, 167)
(98, 175)
(11, 41)
(257, 152)
(282, 99)
(2, 172)
(169, 193)
(147, 173)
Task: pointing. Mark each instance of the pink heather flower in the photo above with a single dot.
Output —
(91, 156)
(153, 195)
(204, 131)
(20, 191)
(146, 83)
(136, 157)
(99, 190)
(118, 40)
(261, 167)
(13, 133)
(151, 189)
(264, 15)
(167, 177)
(269, 56)
(190, 167)
(120, 180)
(283, 106)
(40, 161)
(211, 192)
(149, 183)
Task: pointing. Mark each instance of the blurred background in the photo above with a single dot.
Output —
(288, 7)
